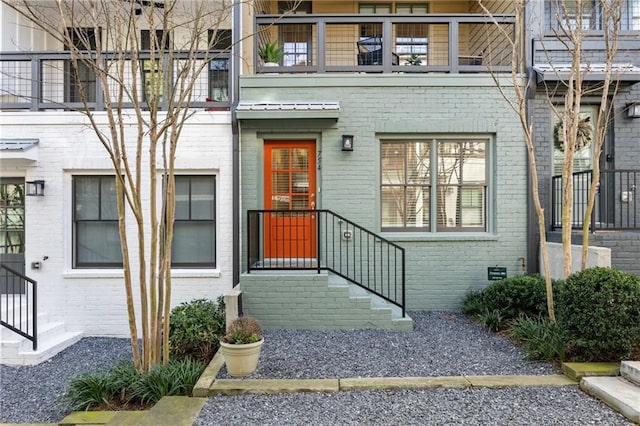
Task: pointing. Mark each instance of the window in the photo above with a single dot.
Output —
(152, 75)
(81, 81)
(194, 227)
(631, 9)
(584, 14)
(450, 171)
(219, 40)
(96, 239)
(296, 39)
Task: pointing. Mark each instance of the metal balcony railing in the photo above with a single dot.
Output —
(46, 80)
(19, 304)
(322, 240)
(616, 205)
(386, 43)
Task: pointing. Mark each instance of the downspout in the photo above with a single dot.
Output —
(528, 43)
(235, 129)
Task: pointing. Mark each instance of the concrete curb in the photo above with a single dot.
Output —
(204, 383)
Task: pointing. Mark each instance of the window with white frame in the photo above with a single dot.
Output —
(96, 238)
(579, 14)
(441, 181)
(194, 228)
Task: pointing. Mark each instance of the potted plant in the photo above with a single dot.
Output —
(241, 346)
(271, 54)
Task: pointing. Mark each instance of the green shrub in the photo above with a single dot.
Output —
(123, 384)
(87, 390)
(174, 378)
(195, 327)
(599, 309)
(542, 339)
(511, 297)
(492, 320)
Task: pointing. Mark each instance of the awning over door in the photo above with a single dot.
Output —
(628, 73)
(288, 110)
(18, 151)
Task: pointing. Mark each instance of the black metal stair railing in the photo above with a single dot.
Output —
(323, 240)
(617, 206)
(19, 304)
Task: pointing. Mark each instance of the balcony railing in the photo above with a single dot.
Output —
(616, 207)
(386, 43)
(46, 80)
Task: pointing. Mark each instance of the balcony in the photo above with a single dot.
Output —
(39, 81)
(374, 43)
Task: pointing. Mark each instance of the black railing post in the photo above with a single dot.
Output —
(318, 242)
(35, 316)
(404, 295)
(248, 241)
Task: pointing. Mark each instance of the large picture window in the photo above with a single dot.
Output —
(194, 228)
(441, 181)
(95, 223)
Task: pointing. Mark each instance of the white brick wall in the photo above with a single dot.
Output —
(93, 301)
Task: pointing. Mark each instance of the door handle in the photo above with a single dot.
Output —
(313, 205)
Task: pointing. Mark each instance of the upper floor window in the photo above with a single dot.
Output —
(152, 76)
(194, 227)
(296, 39)
(588, 14)
(81, 79)
(441, 181)
(96, 237)
(219, 40)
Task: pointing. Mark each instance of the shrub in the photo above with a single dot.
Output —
(174, 378)
(599, 309)
(243, 330)
(195, 327)
(491, 320)
(123, 384)
(87, 390)
(542, 339)
(511, 297)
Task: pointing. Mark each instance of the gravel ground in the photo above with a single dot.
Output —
(33, 393)
(442, 344)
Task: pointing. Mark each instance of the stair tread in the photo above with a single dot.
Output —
(617, 392)
(630, 370)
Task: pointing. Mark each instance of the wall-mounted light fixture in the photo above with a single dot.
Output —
(347, 142)
(633, 110)
(35, 188)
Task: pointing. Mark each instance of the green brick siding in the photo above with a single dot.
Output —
(440, 268)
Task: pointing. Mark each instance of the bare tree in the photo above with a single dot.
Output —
(152, 80)
(574, 129)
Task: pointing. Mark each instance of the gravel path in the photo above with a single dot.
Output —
(442, 344)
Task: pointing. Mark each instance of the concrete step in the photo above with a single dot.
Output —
(617, 392)
(630, 370)
(174, 411)
(19, 352)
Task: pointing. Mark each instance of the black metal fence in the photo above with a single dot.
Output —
(323, 240)
(616, 206)
(19, 304)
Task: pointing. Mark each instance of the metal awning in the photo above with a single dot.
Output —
(15, 151)
(288, 110)
(629, 73)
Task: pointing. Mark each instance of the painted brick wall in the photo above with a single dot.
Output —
(625, 151)
(93, 301)
(440, 268)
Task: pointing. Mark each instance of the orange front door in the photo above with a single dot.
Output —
(290, 182)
